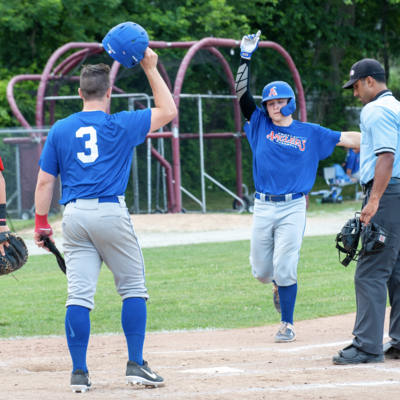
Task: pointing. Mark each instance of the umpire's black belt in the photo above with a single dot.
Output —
(393, 181)
(280, 197)
(367, 186)
(107, 199)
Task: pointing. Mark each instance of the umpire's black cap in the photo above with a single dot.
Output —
(362, 69)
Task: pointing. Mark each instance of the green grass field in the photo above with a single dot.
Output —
(196, 286)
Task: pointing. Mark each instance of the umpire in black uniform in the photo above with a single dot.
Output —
(380, 177)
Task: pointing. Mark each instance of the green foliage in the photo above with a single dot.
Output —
(324, 38)
(197, 286)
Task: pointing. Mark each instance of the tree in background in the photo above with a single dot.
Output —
(324, 37)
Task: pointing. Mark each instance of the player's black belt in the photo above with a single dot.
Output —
(107, 199)
(281, 197)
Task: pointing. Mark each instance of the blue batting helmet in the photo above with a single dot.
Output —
(279, 90)
(126, 43)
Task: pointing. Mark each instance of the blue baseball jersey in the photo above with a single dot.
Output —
(285, 159)
(353, 161)
(92, 152)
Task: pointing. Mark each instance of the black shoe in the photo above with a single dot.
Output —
(390, 352)
(80, 381)
(142, 375)
(353, 355)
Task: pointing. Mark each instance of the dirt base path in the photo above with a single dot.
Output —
(213, 365)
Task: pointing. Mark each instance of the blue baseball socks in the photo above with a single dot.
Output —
(77, 328)
(287, 298)
(133, 319)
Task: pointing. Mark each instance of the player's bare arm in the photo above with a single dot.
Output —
(3, 226)
(248, 46)
(350, 139)
(43, 196)
(165, 109)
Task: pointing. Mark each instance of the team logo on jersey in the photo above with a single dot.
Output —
(288, 140)
(273, 92)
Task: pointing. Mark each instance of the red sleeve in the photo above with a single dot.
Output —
(1, 165)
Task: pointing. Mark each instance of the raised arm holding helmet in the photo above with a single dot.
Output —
(92, 152)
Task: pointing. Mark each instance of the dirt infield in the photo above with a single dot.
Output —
(169, 223)
(213, 365)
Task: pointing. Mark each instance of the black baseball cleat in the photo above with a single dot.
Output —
(353, 355)
(80, 381)
(390, 352)
(142, 375)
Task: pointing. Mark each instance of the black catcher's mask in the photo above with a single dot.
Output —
(374, 239)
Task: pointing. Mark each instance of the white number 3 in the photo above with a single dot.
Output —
(89, 144)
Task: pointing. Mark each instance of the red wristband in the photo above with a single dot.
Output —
(42, 226)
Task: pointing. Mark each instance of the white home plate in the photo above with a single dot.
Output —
(219, 370)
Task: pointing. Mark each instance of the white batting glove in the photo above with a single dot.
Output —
(249, 45)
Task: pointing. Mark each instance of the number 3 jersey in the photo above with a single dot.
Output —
(285, 159)
(92, 151)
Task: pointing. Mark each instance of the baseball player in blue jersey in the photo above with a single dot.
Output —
(285, 161)
(92, 152)
(352, 166)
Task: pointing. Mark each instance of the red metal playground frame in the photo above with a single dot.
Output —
(53, 72)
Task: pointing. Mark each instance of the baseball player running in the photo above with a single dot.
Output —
(92, 151)
(377, 274)
(285, 161)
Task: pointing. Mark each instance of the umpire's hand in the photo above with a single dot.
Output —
(369, 211)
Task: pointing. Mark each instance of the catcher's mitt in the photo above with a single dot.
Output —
(16, 254)
(52, 247)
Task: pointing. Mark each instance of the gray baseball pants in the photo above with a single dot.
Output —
(94, 232)
(375, 275)
(277, 234)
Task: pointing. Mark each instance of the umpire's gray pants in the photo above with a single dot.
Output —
(94, 232)
(277, 234)
(375, 274)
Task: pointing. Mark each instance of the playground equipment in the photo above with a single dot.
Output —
(53, 72)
